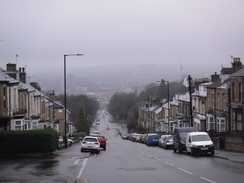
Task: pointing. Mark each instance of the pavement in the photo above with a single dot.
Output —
(233, 156)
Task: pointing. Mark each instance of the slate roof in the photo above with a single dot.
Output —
(215, 84)
(239, 73)
(6, 78)
(225, 71)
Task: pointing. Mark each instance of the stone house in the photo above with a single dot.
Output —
(24, 107)
(236, 102)
(9, 102)
(199, 106)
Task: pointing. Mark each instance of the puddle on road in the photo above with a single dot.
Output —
(47, 168)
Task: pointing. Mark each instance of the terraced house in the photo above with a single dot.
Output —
(24, 107)
(217, 107)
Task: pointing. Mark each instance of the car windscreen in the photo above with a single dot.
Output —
(197, 138)
(170, 137)
(90, 139)
(183, 134)
(153, 137)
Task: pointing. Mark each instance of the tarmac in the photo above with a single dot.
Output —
(229, 155)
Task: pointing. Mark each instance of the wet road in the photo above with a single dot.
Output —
(123, 161)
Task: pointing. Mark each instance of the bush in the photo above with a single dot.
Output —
(34, 141)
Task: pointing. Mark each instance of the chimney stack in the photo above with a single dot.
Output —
(215, 77)
(11, 67)
(22, 75)
(236, 64)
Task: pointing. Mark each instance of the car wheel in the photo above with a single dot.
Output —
(192, 154)
(166, 147)
(174, 149)
(104, 148)
(212, 152)
(98, 151)
(81, 150)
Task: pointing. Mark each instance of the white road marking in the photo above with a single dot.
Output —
(207, 179)
(77, 161)
(157, 158)
(184, 171)
(82, 168)
(168, 163)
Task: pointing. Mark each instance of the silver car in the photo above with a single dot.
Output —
(166, 141)
(91, 144)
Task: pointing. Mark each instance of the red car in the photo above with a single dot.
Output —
(102, 141)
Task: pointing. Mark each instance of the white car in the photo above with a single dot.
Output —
(61, 139)
(91, 144)
(166, 141)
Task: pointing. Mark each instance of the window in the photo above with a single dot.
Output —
(240, 92)
(17, 125)
(218, 101)
(223, 102)
(221, 125)
(210, 123)
(238, 121)
(34, 125)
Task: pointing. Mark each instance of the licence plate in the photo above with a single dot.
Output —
(90, 146)
(204, 148)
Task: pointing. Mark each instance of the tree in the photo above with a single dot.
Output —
(74, 103)
(121, 103)
(140, 129)
(81, 123)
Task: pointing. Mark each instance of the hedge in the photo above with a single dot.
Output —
(25, 142)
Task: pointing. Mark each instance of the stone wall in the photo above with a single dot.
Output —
(234, 144)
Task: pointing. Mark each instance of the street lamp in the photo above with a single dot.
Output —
(65, 135)
(168, 100)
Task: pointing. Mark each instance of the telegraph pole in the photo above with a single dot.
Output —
(191, 117)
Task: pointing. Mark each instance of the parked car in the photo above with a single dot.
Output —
(199, 142)
(152, 140)
(102, 141)
(124, 136)
(135, 137)
(142, 138)
(61, 140)
(147, 135)
(90, 143)
(166, 141)
(179, 139)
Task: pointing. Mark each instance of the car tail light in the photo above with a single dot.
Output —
(84, 142)
(167, 141)
(96, 143)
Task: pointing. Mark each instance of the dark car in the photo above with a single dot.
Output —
(179, 140)
(102, 141)
(152, 140)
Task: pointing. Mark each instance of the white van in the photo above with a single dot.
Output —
(199, 142)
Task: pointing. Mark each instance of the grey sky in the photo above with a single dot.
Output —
(167, 32)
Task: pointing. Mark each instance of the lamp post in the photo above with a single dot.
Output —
(168, 100)
(65, 135)
(190, 94)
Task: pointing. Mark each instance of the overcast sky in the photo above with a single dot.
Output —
(166, 32)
